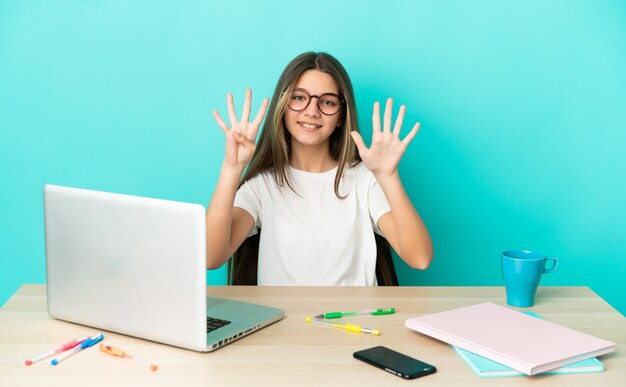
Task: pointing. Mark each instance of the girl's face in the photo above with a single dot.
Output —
(311, 127)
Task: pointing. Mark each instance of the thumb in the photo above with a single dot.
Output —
(358, 140)
(231, 143)
(243, 140)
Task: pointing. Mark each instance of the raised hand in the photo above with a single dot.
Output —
(241, 135)
(386, 150)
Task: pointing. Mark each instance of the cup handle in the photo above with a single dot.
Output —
(555, 264)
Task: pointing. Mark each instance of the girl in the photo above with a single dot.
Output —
(308, 207)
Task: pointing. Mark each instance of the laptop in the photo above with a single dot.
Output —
(136, 266)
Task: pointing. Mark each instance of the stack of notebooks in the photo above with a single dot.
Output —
(486, 368)
(498, 341)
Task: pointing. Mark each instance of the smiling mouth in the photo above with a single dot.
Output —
(309, 126)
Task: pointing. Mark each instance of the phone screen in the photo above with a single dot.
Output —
(395, 363)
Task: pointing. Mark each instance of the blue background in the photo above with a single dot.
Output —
(522, 105)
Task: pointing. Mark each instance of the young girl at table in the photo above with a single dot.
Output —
(310, 209)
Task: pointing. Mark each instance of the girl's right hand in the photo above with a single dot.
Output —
(241, 135)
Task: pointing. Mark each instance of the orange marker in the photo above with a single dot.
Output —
(119, 353)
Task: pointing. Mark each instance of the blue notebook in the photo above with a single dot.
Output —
(486, 368)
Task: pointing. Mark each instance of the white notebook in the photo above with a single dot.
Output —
(509, 337)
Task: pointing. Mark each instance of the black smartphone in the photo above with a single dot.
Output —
(395, 363)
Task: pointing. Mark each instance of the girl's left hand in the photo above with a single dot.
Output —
(386, 150)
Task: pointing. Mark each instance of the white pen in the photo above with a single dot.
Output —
(85, 344)
(62, 348)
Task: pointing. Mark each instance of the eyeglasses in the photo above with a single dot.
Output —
(328, 103)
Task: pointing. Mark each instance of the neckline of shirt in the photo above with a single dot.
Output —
(313, 174)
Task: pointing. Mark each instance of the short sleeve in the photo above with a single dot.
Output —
(377, 203)
(248, 198)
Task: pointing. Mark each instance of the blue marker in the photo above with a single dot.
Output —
(85, 344)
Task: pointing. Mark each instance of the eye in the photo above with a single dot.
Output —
(299, 96)
(330, 102)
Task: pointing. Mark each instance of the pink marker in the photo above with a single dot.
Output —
(62, 348)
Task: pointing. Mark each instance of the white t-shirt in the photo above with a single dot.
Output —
(311, 237)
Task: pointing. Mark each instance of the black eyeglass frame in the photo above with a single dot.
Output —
(341, 102)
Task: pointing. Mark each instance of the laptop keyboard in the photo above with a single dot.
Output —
(213, 323)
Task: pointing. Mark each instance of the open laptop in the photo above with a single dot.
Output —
(136, 266)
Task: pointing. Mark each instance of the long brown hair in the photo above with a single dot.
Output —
(273, 150)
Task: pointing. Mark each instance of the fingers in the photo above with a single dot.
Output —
(358, 140)
(231, 110)
(250, 131)
(411, 134)
(387, 116)
(376, 117)
(259, 116)
(245, 113)
(221, 122)
(398, 125)
(376, 121)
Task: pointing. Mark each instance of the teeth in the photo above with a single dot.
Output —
(308, 126)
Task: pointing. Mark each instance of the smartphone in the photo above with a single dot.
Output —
(394, 362)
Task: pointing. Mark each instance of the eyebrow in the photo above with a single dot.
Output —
(303, 89)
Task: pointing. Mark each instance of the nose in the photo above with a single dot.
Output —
(313, 110)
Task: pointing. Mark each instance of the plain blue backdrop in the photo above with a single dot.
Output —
(522, 105)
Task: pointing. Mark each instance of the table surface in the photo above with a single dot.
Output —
(291, 352)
